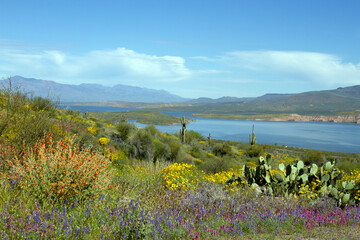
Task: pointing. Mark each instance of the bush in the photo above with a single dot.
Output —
(310, 157)
(42, 104)
(161, 151)
(27, 129)
(215, 164)
(222, 149)
(254, 151)
(192, 136)
(60, 171)
(124, 129)
(183, 157)
(174, 145)
(141, 145)
(206, 192)
(196, 151)
(152, 130)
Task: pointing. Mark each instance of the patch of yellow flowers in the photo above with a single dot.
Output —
(92, 129)
(104, 141)
(186, 176)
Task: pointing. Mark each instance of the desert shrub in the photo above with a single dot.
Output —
(217, 164)
(124, 129)
(42, 104)
(183, 157)
(162, 151)
(152, 130)
(254, 151)
(347, 165)
(120, 160)
(196, 151)
(192, 136)
(59, 171)
(84, 140)
(324, 203)
(310, 157)
(29, 129)
(141, 145)
(222, 149)
(207, 192)
(175, 147)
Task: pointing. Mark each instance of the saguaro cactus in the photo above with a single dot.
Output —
(209, 138)
(183, 129)
(252, 136)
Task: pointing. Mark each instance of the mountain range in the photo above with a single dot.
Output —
(68, 93)
(315, 102)
(326, 102)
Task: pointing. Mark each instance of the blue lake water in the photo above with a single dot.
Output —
(337, 137)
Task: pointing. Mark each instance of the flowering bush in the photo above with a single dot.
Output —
(93, 129)
(60, 171)
(104, 141)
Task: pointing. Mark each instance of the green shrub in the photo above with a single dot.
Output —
(42, 104)
(152, 130)
(312, 156)
(254, 151)
(183, 157)
(220, 149)
(141, 145)
(174, 145)
(217, 164)
(193, 137)
(196, 151)
(124, 129)
(162, 151)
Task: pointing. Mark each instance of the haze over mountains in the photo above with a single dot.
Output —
(329, 101)
(93, 92)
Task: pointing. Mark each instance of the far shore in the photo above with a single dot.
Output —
(346, 118)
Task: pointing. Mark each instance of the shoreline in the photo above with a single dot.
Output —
(354, 118)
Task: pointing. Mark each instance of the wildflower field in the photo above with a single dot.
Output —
(65, 175)
(147, 201)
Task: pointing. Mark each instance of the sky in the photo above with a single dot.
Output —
(192, 48)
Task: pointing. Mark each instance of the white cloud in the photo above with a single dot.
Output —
(203, 58)
(104, 66)
(306, 66)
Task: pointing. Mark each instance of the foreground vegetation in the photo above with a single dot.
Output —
(67, 175)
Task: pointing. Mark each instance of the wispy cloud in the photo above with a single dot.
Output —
(315, 67)
(105, 66)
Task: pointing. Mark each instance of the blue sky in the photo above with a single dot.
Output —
(191, 48)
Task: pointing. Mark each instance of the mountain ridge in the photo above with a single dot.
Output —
(87, 92)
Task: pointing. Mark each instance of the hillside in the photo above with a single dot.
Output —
(142, 183)
(328, 102)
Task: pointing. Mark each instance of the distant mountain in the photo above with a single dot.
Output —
(317, 102)
(93, 92)
(267, 96)
(270, 96)
(220, 100)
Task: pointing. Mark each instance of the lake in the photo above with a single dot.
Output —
(337, 137)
